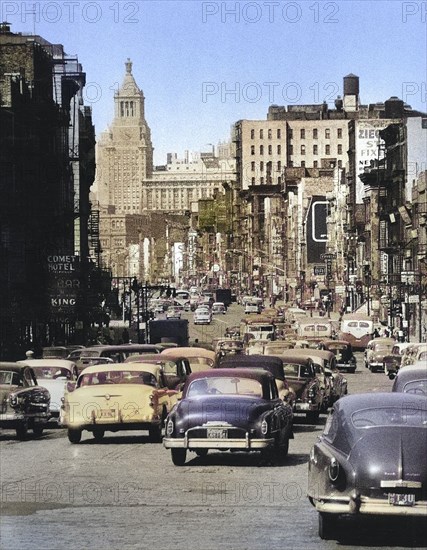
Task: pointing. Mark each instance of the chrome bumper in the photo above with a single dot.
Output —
(204, 443)
(370, 506)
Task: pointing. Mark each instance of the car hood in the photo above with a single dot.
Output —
(237, 411)
(390, 454)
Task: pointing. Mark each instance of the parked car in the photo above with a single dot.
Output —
(229, 409)
(375, 352)
(345, 359)
(174, 312)
(412, 379)
(202, 316)
(114, 397)
(301, 376)
(53, 374)
(23, 403)
(370, 460)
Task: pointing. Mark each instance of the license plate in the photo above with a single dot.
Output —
(217, 433)
(398, 499)
(108, 413)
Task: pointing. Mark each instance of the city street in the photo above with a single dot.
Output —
(124, 492)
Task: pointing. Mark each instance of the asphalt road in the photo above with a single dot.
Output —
(124, 492)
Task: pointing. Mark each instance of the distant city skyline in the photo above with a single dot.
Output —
(204, 65)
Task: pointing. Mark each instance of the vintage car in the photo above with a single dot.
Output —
(301, 375)
(53, 374)
(117, 353)
(229, 409)
(370, 460)
(115, 397)
(393, 361)
(174, 312)
(412, 379)
(375, 352)
(345, 359)
(270, 364)
(199, 358)
(175, 369)
(24, 404)
(202, 316)
(218, 308)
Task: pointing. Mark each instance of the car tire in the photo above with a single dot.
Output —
(327, 523)
(312, 417)
(22, 431)
(74, 435)
(155, 434)
(98, 434)
(202, 452)
(38, 430)
(179, 456)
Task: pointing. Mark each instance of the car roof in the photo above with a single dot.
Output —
(111, 367)
(294, 356)
(60, 363)
(351, 403)
(256, 374)
(188, 352)
(271, 363)
(11, 366)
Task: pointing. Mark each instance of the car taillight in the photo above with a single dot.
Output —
(13, 400)
(312, 392)
(334, 470)
(264, 427)
(151, 400)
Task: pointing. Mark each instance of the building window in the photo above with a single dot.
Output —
(302, 149)
(291, 149)
(252, 134)
(279, 166)
(261, 181)
(315, 150)
(279, 133)
(314, 133)
(290, 133)
(253, 181)
(302, 133)
(261, 166)
(279, 149)
(339, 149)
(339, 133)
(291, 163)
(270, 150)
(252, 149)
(261, 149)
(340, 164)
(303, 164)
(269, 133)
(327, 133)
(279, 180)
(253, 166)
(327, 149)
(261, 134)
(315, 164)
(122, 109)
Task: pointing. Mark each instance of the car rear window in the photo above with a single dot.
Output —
(118, 377)
(225, 386)
(389, 417)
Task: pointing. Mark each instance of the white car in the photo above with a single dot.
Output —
(202, 316)
(218, 307)
(54, 374)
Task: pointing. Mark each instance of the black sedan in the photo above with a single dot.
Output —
(229, 409)
(370, 460)
(23, 404)
(411, 379)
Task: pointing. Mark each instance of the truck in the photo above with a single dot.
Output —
(223, 295)
(168, 330)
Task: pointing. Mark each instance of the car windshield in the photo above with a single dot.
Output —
(389, 417)
(118, 377)
(49, 373)
(225, 386)
(292, 369)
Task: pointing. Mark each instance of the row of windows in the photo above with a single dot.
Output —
(269, 133)
(269, 149)
(268, 166)
(291, 149)
(265, 181)
(315, 133)
(126, 108)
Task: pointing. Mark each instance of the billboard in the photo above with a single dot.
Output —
(317, 229)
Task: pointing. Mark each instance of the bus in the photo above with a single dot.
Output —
(356, 329)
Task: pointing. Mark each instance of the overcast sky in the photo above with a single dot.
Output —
(204, 65)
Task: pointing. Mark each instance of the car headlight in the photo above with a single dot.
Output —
(264, 427)
(312, 392)
(169, 427)
(13, 400)
(334, 470)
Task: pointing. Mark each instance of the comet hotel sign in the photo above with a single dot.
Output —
(64, 281)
